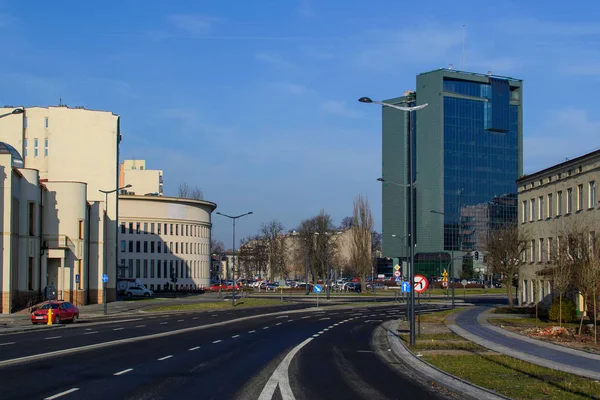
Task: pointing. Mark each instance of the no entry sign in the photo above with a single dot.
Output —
(420, 283)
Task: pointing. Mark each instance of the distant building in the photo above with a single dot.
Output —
(162, 237)
(468, 151)
(551, 202)
(143, 181)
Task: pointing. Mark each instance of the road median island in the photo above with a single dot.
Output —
(439, 347)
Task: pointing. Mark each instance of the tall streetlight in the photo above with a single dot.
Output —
(233, 218)
(105, 266)
(411, 202)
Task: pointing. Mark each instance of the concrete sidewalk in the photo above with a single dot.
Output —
(473, 325)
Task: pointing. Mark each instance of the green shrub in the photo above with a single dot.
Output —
(568, 310)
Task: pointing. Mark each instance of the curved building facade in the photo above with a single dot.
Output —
(161, 238)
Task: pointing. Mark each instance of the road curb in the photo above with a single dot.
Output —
(452, 383)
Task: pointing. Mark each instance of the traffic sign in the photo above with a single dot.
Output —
(405, 287)
(104, 278)
(397, 274)
(317, 289)
(398, 279)
(445, 284)
(397, 267)
(420, 283)
(464, 282)
(77, 278)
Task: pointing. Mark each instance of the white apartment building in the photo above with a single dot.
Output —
(163, 236)
(143, 181)
(551, 202)
(58, 229)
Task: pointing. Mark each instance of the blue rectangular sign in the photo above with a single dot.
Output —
(77, 279)
(405, 287)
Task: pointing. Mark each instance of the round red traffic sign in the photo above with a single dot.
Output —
(397, 273)
(420, 283)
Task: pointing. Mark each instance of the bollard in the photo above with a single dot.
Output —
(50, 316)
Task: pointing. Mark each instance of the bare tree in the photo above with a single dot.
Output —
(362, 226)
(564, 260)
(346, 223)
(272, 234)
(216, 246)
(253, 256)
(317, 241)
(505, 249)
(186, 192)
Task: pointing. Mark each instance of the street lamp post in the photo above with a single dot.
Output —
(105, 266)
(411, 202)
(233, 218)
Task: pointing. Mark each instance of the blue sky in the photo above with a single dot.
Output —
(255, 101)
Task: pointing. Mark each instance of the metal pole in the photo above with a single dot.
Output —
(306, 266)
(328, 276)
(233, 269)
(105, 249)
(411, 274)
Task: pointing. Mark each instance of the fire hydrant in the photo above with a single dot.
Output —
(49, 316)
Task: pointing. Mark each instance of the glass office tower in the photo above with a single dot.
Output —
(468, 155)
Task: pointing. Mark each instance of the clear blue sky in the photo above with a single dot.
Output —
(255, 101)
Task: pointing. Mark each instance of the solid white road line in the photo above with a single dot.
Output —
(234, 336)
(217, 341)
(164, 358)
(251, 331)
(90, 333)
(194, 348)
(281, 378)
(6, 344)
(53, 337)
(123, 372)
(56, 396)
(118, 329)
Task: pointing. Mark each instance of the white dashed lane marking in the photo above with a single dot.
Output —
(234, 336)
(179, 320)
(251, 331)
(6, 344)
(123, 372)
(282, 316)
(118, 329)
(90, 333)
(308, 316)
(194, 348)
(53, 337)
(56, 396)
(279, 323)
(140, 326)
(266, 327)
(323, 319)
(164, 323)
(195, 317)
(165, 358)
(216, 341)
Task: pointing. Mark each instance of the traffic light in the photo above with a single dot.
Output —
(476, 256)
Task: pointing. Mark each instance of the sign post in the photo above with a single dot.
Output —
(317, 289)
(104, 282)
(464, 283)
(420, 285)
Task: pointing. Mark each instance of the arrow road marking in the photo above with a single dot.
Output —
(281, 378)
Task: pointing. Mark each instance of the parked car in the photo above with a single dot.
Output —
(138, 291)
(61, 311)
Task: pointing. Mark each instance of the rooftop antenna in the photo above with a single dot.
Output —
(463, 48)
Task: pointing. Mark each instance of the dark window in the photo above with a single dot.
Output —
(151, 247)
(123, 229)
(145, 247)
(131, 246)
(138, 247)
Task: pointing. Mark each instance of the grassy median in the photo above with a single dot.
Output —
(221, 305)
(505, 375)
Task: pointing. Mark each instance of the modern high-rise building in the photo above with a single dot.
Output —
(468, 154)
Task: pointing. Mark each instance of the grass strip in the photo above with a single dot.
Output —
(515, 378)
(222, 305)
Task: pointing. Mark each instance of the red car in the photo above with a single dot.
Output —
(61, 311)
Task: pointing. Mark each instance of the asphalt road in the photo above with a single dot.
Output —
(296, 355)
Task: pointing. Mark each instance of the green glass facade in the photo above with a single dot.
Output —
(468, 156)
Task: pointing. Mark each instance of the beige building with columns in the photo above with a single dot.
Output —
(160, 236)
(58, 229)
(551, 202)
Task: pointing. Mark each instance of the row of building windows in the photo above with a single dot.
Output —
(165, 229)
(162, 247)
(36, 147)
(46, 122)
(163, 269)
(542, 249)
(546, 206)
